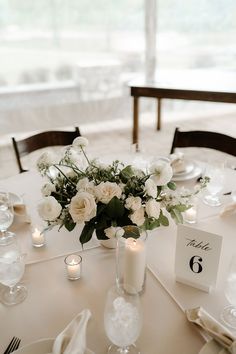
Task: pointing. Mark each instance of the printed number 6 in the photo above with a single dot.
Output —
(195, 265)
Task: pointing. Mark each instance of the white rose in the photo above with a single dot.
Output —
(133, 203)
(161, 173)
(138, 217)
(47, 189)
(153, 208)
(82, 207)
(112, 232)
(85, 185)
(49, 209)
(80, 142)
(150, 188)
(47, 159)
(105, 191)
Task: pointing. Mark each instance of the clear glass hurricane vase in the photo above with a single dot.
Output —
(122, 319)
(131, 258)
(12, 266)
(215, 171)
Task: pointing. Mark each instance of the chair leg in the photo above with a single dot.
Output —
(158, 114)
(135, 122)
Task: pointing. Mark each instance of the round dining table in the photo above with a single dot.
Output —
(53, 300)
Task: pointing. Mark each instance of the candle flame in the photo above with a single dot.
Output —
(73, 262)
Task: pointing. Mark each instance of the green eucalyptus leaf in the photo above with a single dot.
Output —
(87, 233)
(101, 234)
(182, 207)
(177, 216)
(172, 186)
(115, 208)
(163, 220)
(69, 224)
(126, 173)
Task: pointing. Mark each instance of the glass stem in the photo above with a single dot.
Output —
(124, 350)
(12, 290)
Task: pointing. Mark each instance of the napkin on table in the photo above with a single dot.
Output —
(177, 162)
(20, 213)
(228, 209)
(216, 330)
(72, 340)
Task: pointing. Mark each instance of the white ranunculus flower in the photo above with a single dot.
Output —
(47, 159)
(153, 208)
(112, 232)
(80, 142)
(85, 185)
(105, 191)
(82, 207)
(151, 188)
(47, 189)
(161, 172)
(49, 209)
(137, 217)
(133, 203)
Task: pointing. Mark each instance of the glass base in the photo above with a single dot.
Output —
(131, 349)
(212, 200)
(229, 316)
(19, 295)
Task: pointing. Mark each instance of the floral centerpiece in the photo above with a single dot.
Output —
(104, 197)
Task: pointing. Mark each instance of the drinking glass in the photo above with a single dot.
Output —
(122, 319)
(12, 266)
(216, 173)
(6, 212)
(229, 312)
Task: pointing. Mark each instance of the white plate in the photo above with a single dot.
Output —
(15, 199)
(195, 173)
(189, 167)
(212, 347)
(42, 346)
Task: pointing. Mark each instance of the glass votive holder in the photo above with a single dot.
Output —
(38, 237)
(190, 215)
(73, 264)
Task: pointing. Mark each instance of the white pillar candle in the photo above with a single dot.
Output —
(38, 238)
(190, 215)
(73, 266)
(134, 263)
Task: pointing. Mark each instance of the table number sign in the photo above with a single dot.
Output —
(197, 257)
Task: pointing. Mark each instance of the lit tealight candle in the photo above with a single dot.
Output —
(38, 238)
(134, 263)
(190, 215)
(73, 266)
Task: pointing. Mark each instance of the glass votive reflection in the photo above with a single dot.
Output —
(190, 215)
(38, 238)
(73, 264)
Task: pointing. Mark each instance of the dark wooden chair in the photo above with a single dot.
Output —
(204, 139)
(41, 140)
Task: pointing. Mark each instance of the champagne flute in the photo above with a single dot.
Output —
(122, 319)
(6, 212)
(229, 312)
(12, 266)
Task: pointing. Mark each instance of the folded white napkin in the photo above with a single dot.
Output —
(228, 209)
(216, 330)
(72, 340)
(20, 213)
(177, 162)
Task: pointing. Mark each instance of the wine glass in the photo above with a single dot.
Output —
(215, 172)
(12, 266)
(6, 212)
(229, 312)
(122, 319)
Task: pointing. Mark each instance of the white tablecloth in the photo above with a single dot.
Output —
(53, 300)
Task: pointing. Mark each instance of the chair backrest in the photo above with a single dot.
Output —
(205, 139)
(41, 140)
